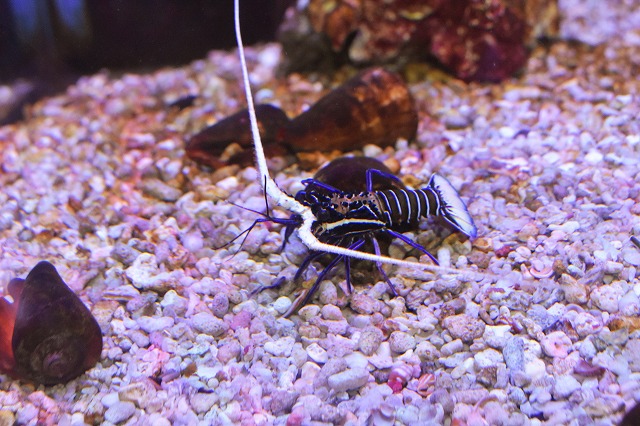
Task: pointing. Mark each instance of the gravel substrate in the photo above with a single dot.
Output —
(541, 329)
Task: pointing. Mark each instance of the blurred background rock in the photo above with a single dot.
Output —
(46, 44)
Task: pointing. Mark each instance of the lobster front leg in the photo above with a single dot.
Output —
(412, 244)
(376, 248)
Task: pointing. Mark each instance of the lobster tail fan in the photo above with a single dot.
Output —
(451, 207)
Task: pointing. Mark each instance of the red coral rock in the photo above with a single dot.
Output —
(475, 39)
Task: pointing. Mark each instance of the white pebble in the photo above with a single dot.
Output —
(584, 323)
(444, 257)
(587, 349)
(156, 419)
(565, 385)
(202, 402)
(332, 313)
(569, 227)
(206, 323)
(400, 342)
(309, 371)
(137, 393)
(356, 360)
(120, 411)
(535, 368)
(606, 297)
(427, 351)
(109, 399)
(308, 312)
(551, 157)
(613, 268)
(193, 241)
(26, 414)
(369, 340)
(144, 274)
(370, 150)
(317, 354)
(352, 378)
(594, 157)
(282, 304)
(631, 256)
(629, 304)
(280, 347)
(462, 368)
(382, 358)
(451, 347)
(507, 132)
(152, 324)
(487, 358)
(228, 184)
(496, 336)
(175, 301)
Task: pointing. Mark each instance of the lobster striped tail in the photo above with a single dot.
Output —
(402, 208)
(451, 207)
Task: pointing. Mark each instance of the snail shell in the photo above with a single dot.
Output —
(374, 107)
(400, 375)
(55, 338)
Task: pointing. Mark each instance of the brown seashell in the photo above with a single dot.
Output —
(374, 107)
(212, 146)
(47, 335)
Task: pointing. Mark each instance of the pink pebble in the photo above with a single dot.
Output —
(556, 344)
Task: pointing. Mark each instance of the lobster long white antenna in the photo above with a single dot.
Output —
(284, 200)
(280, 197)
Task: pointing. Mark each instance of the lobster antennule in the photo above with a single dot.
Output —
(452, 208)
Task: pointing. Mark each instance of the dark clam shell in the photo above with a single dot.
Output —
(55, 338)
